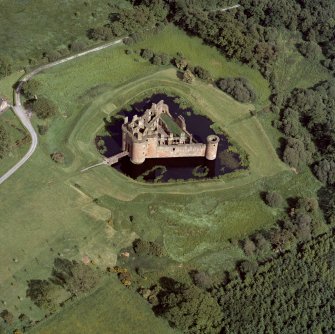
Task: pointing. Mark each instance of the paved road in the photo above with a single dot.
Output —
(21, 113)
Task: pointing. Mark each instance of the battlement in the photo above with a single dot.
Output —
(156, 134)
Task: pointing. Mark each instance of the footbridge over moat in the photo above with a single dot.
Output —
(115, 158)
(108, 161)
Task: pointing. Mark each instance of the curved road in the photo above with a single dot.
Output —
(21, 113)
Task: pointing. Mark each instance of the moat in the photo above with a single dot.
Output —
(166, 169)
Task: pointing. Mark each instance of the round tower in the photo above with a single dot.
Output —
(212, 147)
(138, 152)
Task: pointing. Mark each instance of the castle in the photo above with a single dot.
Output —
(156, 134)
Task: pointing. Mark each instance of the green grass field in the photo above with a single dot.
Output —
(19, 140)
(117, 318)
(50, 210)
(34, 27)
(173, 40)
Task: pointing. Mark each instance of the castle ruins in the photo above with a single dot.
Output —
(157, 134)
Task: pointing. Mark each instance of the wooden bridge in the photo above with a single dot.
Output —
(115, 158)
(108, 161)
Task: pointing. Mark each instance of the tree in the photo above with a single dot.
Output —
(5, 66)
(44, 294)
(157, 60)
(57, 157)
(188, 76)
(273, 199)
(4, 142)
(202, 73)
(44, 108)
(76, 277)
(165, 59)
(30, 88)
(190, 309)
(180, 62)
(238, 88)
(147, 54)
(249, 247)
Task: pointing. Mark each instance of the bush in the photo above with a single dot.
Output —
(147, 54)
(30, 88)
(310, 50)
(202, 73)
(156, 60)
(188, 76)
(273, 199)
(42, 129)
(57, 157)
(44, 108)
(166, 60)
(77, 46)
(238, 88)
(76, 277)
(4, 142)
(143, 247)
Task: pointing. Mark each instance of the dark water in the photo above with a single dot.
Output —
(163, 170)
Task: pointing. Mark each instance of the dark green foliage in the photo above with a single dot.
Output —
(326, 197)
(30, 88)
(273, 199)
(291, 294)
(43, 294)
(310, 50)
(57, 157)
(295, 153)
(42, 129)
(104, 33)
(190, 309)
(157, 60)
(238, 88)
(5, 66)
(143, 247)
(325, 169)
(249, 247)
(202, 279)
(127, 21)
(202, 73)
(75, 277)
(147, 54)
(7, 317)
(166, 59)
(4, 142)
(44, 108)
(77, 46)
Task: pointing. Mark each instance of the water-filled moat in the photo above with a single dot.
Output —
(175, 168)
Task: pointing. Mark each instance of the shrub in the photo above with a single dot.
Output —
(4, 142)
(42, 129)
(188, 76)
(29, 88)
(156, 60)
(273, 199)
(44, 108)
(76, 277)
(238, 88)
(202, 73)
(77, 46)
(57, 157)
(147, 54)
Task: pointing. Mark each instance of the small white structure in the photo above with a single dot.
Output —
(3, 104)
